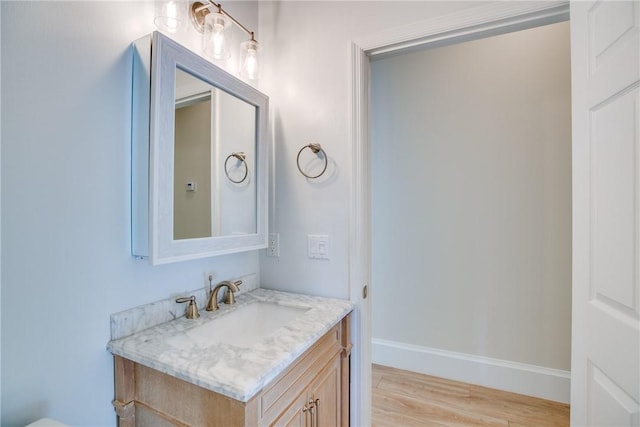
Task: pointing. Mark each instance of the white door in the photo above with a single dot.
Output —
(605, 55)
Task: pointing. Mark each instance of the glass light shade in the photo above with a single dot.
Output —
(170, 16)
(215, 39)
(250, 60)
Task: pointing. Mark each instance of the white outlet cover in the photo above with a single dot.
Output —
(273, 246)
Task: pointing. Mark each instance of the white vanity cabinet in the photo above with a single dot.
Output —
(313, 391)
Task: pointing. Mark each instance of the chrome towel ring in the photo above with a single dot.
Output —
(241, 156)
(315, 148)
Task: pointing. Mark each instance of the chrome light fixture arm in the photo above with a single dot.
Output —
(199, 10)
(215, 46)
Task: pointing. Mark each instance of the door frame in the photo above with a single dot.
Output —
(473, 23)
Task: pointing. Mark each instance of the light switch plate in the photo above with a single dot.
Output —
(318, 246)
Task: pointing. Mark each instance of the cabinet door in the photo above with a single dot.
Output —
(319, 404)
(295, 415)
(325, 393)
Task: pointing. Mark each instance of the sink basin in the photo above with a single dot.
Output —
(245, 326)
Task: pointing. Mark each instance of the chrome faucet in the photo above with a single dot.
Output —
(229, 298)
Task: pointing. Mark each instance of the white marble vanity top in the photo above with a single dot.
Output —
(226, 369)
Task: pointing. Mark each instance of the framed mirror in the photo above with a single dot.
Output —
(199, 156)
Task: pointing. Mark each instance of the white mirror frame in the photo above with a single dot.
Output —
(155, 58)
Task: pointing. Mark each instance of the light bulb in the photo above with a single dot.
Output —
(218, 40)
(250, 61)
(215, 41)
(252, 64)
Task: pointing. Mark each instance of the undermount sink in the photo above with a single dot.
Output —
(245, 326)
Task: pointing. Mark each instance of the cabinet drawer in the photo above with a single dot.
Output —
(289, 385)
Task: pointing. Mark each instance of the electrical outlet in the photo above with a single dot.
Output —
(274, 245)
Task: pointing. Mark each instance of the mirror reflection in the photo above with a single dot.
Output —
(214, 192)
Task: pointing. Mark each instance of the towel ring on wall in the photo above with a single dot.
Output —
(241, 156)
(316, 148)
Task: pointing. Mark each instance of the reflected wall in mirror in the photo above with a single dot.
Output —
(210, 125)
(193, 161)
(199, 157)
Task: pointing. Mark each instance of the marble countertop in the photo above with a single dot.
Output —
(235, 372)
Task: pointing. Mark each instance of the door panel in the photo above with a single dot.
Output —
(613, 207)
(604, 35)
(605, 55)
(611, 36)
(609, 405)
(613, 345)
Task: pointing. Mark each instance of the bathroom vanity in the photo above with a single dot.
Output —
(208, 372)
(272, 358)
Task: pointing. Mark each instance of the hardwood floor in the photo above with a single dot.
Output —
(408, 399)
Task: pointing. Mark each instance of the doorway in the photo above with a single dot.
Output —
(471, 211)
(485, 21)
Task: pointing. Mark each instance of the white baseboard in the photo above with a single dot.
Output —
(532, 380)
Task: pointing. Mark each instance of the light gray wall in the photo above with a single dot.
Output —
(192, 163)
(307, 76)
(236, 133)
(66, 89)
(471, 171)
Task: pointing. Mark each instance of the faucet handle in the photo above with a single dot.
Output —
(229, 296)
(192, 309)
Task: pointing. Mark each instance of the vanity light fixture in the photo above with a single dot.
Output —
(170, 15)
(214, 22)
(215, 37)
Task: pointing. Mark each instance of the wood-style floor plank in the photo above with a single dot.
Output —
(409, 399)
